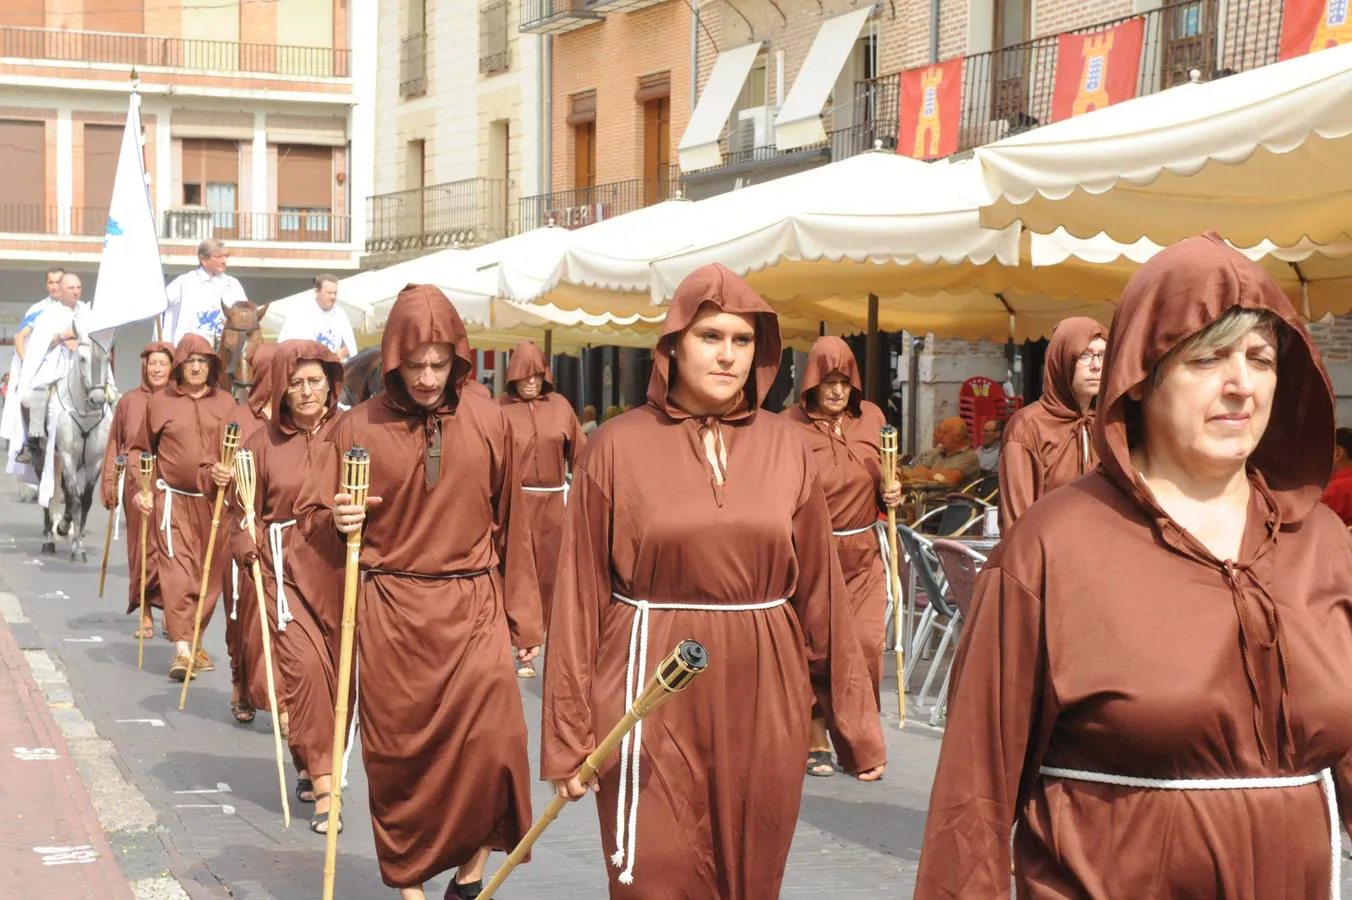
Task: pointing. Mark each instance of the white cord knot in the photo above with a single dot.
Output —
(167, 517)
(276, 533)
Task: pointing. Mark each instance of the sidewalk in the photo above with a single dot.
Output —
(50, 839)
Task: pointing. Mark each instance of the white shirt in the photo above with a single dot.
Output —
(39, 372)
(195, 301)
(330, 327)
(990, 457)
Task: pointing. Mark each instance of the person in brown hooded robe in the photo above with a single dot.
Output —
(1194, 627)
(546, 438)
(243, 637)
(1047, 443)
(126, 437)
(700, 516)
(844, 431)
(184, 425)
(443, 728)
(306, 379)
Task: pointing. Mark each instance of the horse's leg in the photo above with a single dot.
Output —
(48, 538)
(77, 547)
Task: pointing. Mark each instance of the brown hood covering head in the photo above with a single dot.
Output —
(528, 360)
(1068, 341)
(195, 345)
(831, 356)
(155, 347)
(284, 361)
(260, 377)
(423, 315)
(716, 284)
(1177, 294)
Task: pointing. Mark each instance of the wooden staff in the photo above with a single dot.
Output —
(120, 466)
(888, 457)
(147, 472)
(673, 675)
(246, 485)
(355, 482)
(229, 444)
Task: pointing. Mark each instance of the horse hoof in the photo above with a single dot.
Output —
(49, 548)
(79, 557)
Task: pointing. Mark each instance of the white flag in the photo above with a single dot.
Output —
(131, 280)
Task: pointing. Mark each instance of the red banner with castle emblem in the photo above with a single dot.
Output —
(1097, 70)
(931, 110)
(1312, 25)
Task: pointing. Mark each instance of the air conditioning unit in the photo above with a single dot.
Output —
(754, 129)
(187, 224)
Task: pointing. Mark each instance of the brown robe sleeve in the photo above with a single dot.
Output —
(577, 439)
(314, 504)
(1020, 479)
(990, 746)
(840, 678)
(521, 589)
(243, 548)
(581, 593)
(117, 444)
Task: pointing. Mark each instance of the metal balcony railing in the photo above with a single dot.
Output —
(404, 224)
(190, 54)
(576, 207)
(413, 65)
(557, 16)
(306, 226)
(57, 221)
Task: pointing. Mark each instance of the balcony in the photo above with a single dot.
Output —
(303, 226)
(557, 16)
(406, 224)
(609, 6)
(495, 52)
(93, 47)
(54, 221)
(576, 207)
(413, 65)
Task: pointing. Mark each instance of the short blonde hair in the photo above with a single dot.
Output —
(1226, 331)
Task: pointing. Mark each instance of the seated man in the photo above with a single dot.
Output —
(992, 433)
(48, 359)
(951, 460)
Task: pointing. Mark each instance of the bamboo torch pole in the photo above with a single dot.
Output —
(673, 675)
(229, 444)
(246, 485)
(355, 482)
(147, 472)
(120, 466)
(888, 458)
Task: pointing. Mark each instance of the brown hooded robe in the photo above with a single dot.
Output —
(546, 438)
(185, 434)
(126, 436)
(721, 766)
(443, 729)
(1047, 443)
(1138, 653)
(305, 649)
(846, 450)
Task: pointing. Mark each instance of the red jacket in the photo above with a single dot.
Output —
(1338, 494)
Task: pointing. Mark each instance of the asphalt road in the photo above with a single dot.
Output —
(190, 800)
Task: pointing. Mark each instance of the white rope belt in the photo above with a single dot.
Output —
(1323, 777)
(559, 489)
(276, 531)
(117, 512)
(234, 591)
(167, 518)
(880, 529)
(626, 840)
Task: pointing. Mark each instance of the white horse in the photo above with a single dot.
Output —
(81, 420)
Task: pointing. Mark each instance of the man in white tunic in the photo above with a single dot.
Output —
(323, 322)
(197, 297)
(47, 360)
(11, 421)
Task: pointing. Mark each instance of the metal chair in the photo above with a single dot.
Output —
(961, 564)
(960, 515)
(986, 489)
(939, 612)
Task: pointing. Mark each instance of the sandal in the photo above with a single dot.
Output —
(145, 631)
(467, 891)
(178, 669)
(817, 760)
(320, 823)
(305, 786)
(243, 711)
(525, 669)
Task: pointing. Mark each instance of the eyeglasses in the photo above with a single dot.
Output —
(1088, 357)
(314, 385)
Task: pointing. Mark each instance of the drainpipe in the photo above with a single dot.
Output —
(546, 129)
(934, 32)
(694, 52)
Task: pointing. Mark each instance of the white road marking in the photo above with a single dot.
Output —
(87, 640)
(154, 723)
(35, 754)
(220, 788)
(225, 808)
(65, 856)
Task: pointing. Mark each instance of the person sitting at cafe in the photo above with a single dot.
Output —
(1338, 494)
(951, 460)
(992, 431)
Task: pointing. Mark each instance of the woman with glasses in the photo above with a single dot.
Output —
(1047, 442)
(1151, 692)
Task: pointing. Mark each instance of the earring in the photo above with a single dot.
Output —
(672, 353)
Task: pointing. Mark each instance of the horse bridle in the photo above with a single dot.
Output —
(78, 416)
(238, 356)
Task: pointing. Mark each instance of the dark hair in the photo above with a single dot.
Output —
(1343, 438)
(55, 270)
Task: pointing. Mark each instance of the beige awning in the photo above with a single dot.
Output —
(799, 122)
(699, 145)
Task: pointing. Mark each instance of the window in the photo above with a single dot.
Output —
(211, 180)
(24, 187)
(304, 191)
(654, 92)
(753, 130)
(102, 145)
(582, 119)
(1010, 60)
(494, 50)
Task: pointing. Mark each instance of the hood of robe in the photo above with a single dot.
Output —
(260, 375)
(1068, 341)
(155, 347)
(423, 315)
(528, 360)
(194, 345)
(284, 362)
(718, 285)
(832, 356)
(1177, 294)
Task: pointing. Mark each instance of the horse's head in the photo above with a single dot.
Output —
(241, 333)
(93, 369)
(362, 377)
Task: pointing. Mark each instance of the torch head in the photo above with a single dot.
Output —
(230, 443)
(356, 474)
(674, 674)
(147, 471)
(120, 462)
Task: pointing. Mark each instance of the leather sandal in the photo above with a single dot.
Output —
(145, 631)
(243, 711)
(820, 759)
(466, 891)
(320, 823)
(305, 786)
